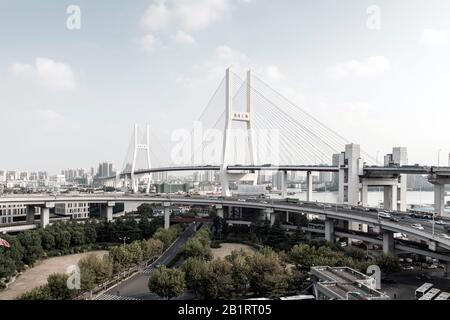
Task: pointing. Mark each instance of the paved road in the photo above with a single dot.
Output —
(137, 285)
(406, 282)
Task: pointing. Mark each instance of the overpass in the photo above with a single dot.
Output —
(331, 213)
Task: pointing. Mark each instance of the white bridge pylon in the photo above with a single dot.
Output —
(141, 147)
(237, 116)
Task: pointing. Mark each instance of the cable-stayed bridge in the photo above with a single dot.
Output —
(248, 127)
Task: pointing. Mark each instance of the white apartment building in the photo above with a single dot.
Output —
(75, 210)
(8, 212)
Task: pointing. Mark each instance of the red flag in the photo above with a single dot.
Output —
(4, 243)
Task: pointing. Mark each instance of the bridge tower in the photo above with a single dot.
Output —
(237, 116)
(145, 146)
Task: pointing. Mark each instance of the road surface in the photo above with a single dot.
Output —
(137, 285)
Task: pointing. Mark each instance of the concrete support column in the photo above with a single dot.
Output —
(109, 211)
(341, 180)
(439, 199)
(402, 189)
(329, 230)
(309, 186)
(31, 211)
(219, 209)
(446, 269)
(269, 215)
(272, 219)
(364, 195)
(390, 197)
(45, 217)
(388, 242)
(284, 184)
(166, 215)
(287, 216)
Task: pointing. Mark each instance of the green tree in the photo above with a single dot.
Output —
(217, 281)
(31, 242)
(47, 238)
(151, 248)
(7, 266)
(167, 283)
(268, 275)
(240, 270)
(387, 263)
(120, 257)
(135, 251)
(145, 209)
(196, 249)
(58, 289)
(90, 232)
(77, 237)
(40, 293)
(195, 271)
(94, 270)
(11, 260)
(62, 238)
(166, 236)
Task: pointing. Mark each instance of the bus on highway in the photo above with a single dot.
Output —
(443, 296)
(423, 289)
(430, 295)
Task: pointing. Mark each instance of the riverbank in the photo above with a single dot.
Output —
(37, 275)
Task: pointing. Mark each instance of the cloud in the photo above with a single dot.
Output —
(199, 14)
(370, 67)
(150, 43)
(434, 38)
(272, 74)
(157, 16)
(47, 73)
(189, 14)
(224, 57)
(55, 75)
(163, 17)
(50, 115)
(20, 68)
(183, 38)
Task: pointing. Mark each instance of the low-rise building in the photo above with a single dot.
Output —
(13, 212)
(76, 210)
(343, 283)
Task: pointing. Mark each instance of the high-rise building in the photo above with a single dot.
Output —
(105, 169)
(277, 180)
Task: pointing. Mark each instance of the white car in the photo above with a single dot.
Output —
(241, 200)
(384, 214)
(417, 226)
(441, 223)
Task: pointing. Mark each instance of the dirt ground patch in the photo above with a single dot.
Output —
(226, 249)
(37, 276)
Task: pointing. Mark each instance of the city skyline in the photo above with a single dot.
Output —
(86, 88)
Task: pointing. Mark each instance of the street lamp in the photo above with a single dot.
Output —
(124, 240)
(434, 213)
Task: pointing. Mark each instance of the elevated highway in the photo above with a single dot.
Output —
(331, 212)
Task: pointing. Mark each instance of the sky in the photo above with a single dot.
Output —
(376, 72)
